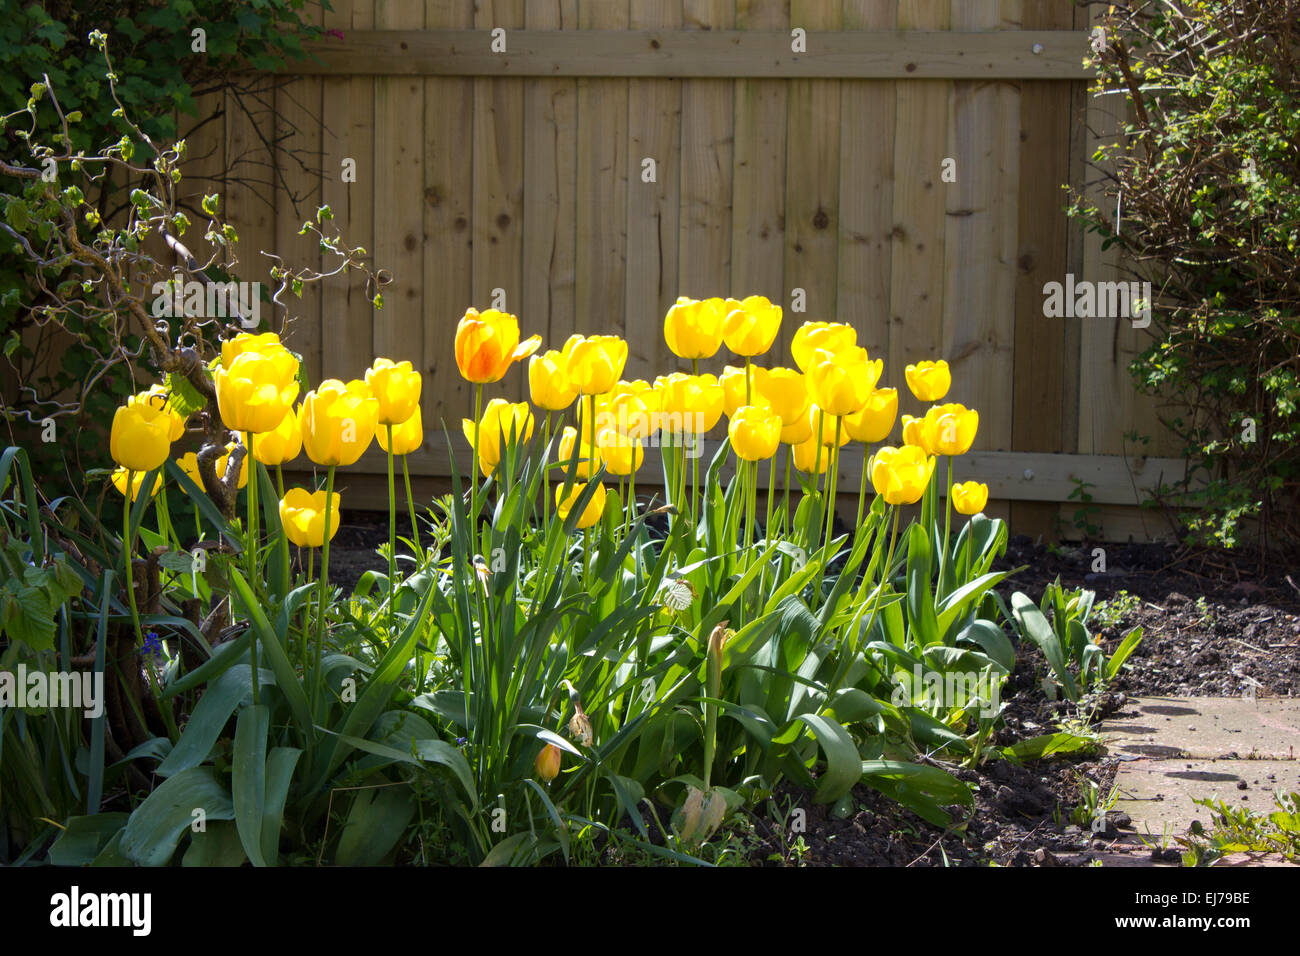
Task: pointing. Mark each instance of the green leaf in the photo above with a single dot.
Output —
(82, 838)
(376, 822)
(923, 789)
(248, 780)
(843, 764)
(156, 826)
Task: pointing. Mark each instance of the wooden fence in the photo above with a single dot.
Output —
(506, 148)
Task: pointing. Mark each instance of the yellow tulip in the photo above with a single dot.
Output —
(876, 420)
(842, 382)
(137, 479)
(827, 427)
(901, 475)
(786, 391)
(487, 344)
(302, 514)
(797, 432)
(502, 423)
(755, 432)
(548, 382)
(970, 497)
(621, 455)
(407, 437)
(914, 433)
(189, 463)
(157, 397)
(338, 421)
(806, 457)
(591, 514)
(624, 410)
(950, 429)
(833, 337)
(548, 762)
(588, 462)
(265, 343)
(732, 381)
(396, 386)
(281, 444)
(751, 326)
(139, 439)
(929, 381)
(693, 329)
(692, 404)
(594, 363)
(257, 391)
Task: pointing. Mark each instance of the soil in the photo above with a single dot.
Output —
(1214, 624)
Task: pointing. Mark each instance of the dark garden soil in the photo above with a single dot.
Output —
(1214, 624)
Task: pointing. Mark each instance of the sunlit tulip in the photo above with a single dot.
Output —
(876, 419)
(257, 391)
(624, 410)
(827, 427)
(264, 343)
(396, 387)
(594, 363)
(691, 404)
(548, 382)
(732, 381)
(548, 762)
(502, 422)
(591, 514)
(189, 463)
(302, 514)
(588, 462)
(693, 328)
(950, 429)
(755, 432)
(487, 344)
(833, 337)
(282, 443)
(914, 433)
(970, 497)
(901, 475)
(407, 437)
(140, 437)
(785, 390)
(158, 398)
(842, 382)
(137, 479)
(751, 326)
(620, 455)
(338, 421)
(806, 457)
(929, 381)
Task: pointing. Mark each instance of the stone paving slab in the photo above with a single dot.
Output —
(1159, 793)
(1205, 728)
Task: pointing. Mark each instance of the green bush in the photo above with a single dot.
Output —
(1209, 175)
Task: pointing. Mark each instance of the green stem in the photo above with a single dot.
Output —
(392, 533)
(546, 474)
(128, 552)
(322, 589)
(817, 479)
(947, 529)
(695, 462)
(252, 553)
(410, 506)
(279, 487)
(785, 488)
(832, 483)
(862, 485)
(474, 471)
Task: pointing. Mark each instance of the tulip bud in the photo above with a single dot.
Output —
(548, 762)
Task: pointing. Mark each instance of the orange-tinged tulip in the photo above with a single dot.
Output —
(158, 398)
(901, 475)
(548, 382)
(595, 362)
(970, 497)
(502, 423)
(282, 443)
(621, 455)
(755, 432)
(693, 328)
(876, 420)
(140, 437)
(548, 762)
(338, 421)
(302, 514)
(396, 387)
(806, 457)
(929, 381)
(588, 461)
(137, 479)
(842, 382)
(257, 391)
(591, 514)
(833, 337)
(407, 437)
(751, 326)
(487, 344)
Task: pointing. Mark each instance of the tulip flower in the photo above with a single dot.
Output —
(827, 423)
(488, 344)
(137, 479)
(548, 762)
(621, 455)
(876, 419)
(594, 363)
(901, 475)
(548, 382)
(914, 433)
(692, 404)
(396, 387)
(591, 514)
(693, 329)
(257, 391)
(157, 397)
(929, 381)
(951, 428)
(140, 437)
(265, 343)
(189, 463)
(970, 497)
(338, 421)
(224, 462)
(733, 385)
(588, 460)
(281, 444)
(810, 458)
(302, 514)
(502, 423)
(842, 382)
(755, 432)
(407, 437)
(751, 326)
(624, 410)
(833, 337)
